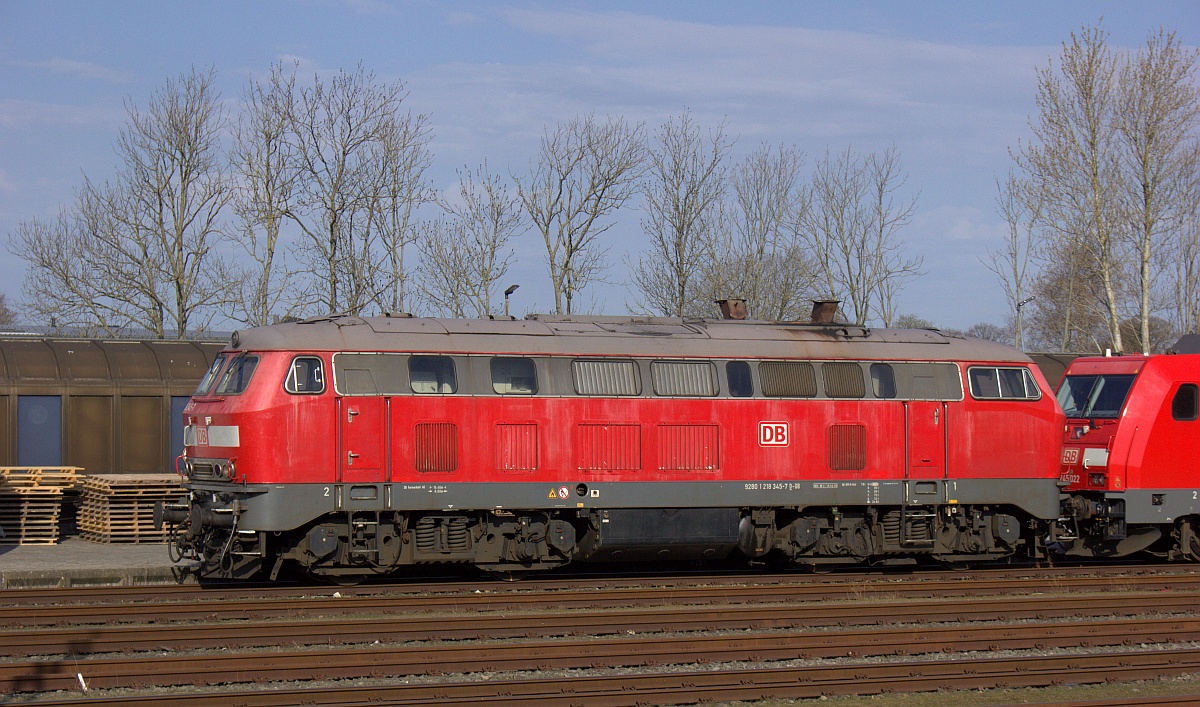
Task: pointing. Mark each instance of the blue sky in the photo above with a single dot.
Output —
(950, 85)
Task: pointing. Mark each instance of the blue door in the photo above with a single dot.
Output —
(39, 430)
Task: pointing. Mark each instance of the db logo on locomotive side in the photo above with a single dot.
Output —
(773, 434)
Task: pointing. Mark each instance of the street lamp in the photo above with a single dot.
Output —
(1020, 341)
(507, 293)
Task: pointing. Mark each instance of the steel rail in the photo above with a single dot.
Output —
(486, 624)
(14, 598)
(216, 607)
(726, 685)
(624, 652)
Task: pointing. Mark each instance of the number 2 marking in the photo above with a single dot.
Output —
(326, 492)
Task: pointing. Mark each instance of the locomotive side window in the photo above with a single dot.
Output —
(883, 380)
(781, 379)
(1002, 383)
(1185, 406)
(305, 377)
(238, 375)
(843, 380)
(206, 383)
(514, 376)
(606, 377)
(741, 385)
(684, 378)
(432, 374)
(1100, 396)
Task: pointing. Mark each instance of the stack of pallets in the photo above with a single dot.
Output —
(31, 499)
(119, 508)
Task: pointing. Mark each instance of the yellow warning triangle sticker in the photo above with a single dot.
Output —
(552, 494)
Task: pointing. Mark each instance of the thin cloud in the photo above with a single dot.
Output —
(78, 69)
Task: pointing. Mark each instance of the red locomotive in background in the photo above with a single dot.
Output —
(1131, 453)
(351, 445)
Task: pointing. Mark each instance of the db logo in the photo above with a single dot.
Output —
(1070, 455)
(773, 434)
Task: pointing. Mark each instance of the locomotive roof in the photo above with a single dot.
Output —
(631, 336)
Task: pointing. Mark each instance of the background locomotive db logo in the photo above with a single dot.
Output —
(773, 434)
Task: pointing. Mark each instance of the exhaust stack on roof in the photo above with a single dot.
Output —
(732, 308)
(824, 311)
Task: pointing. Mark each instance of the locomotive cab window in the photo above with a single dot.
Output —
(741, 385)
(432, 374)
(1185, 406)
(305, 377)
(514, 376)
(1094, 396)
(996, 383)
(237, 376)
(206, 383)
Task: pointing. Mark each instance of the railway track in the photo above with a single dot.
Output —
(28, 608)
(510, 643)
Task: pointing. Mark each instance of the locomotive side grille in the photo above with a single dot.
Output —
(689, 447)
(605, 377)
(684, 378)
(436, 445)
(610, 447)
(847, 447)
(516, 447)
(843, 380)
(787, 380)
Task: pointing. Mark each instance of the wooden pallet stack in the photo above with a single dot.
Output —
(31, 499)
(119, 508)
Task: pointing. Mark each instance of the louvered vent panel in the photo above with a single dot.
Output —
(436, 445)
(843, 380)
(516, 447)
(689, 447)
(787, 380)
(605, 377)
(684, 378)
(610, 447)
(847, 447)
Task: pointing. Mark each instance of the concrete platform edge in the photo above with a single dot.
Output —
(93, 577)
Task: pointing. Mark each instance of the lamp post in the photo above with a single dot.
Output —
(1020, 338)
(507, 293)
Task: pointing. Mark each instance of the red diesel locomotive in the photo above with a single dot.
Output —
(351, 445)
(1129, 458)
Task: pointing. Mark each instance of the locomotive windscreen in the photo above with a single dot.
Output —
(1093, 396)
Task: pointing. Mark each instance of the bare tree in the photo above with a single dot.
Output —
(1157, 118)
(852, 227)
(1074, 165)
(686, 184)
(1185, 270)
(757, 253)
(7, 316)
(265, 161)
(585, 171)
(1021, 213)
(360, 162)
(465, 255)
(137, 252)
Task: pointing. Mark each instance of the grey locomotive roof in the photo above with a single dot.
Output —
(631, 336)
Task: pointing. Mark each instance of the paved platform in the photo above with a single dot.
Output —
(75, 562)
